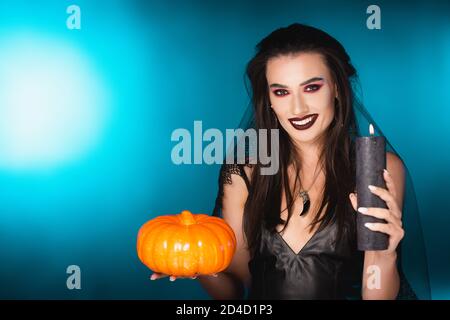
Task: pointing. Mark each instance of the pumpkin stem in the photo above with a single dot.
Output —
(187, 218)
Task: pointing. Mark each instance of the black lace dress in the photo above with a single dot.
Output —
(322, 269)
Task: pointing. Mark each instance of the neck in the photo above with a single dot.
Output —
(311, 173)
(308, 154)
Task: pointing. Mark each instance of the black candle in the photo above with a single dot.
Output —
(370, 163)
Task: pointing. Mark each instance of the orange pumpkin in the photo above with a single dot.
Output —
(186, 244)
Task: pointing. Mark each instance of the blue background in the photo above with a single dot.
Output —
(164, 65)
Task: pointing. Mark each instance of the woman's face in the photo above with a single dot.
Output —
(301, 88)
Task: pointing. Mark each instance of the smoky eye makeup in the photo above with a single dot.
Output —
(309, 86)
(280, 92)
(313, 84)
(313, 87)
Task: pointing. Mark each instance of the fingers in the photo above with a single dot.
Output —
(388, 228)
(215, 275)
(156, 276)
(381, 213)
(353, 200)
(381, 227)
(388, 198)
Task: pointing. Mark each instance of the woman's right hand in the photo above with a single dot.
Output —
(156, 276)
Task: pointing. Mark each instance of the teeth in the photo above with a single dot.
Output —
(303, 122)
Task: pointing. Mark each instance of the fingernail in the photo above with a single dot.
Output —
(172, 278)
(385, 171)
(368, 225)
(152, 277)
(372, 188)
(362, 210)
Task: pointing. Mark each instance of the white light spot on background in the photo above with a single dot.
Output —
(52, 103)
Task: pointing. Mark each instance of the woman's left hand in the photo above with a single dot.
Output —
(392, 215)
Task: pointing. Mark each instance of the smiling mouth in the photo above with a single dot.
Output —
(304, 122)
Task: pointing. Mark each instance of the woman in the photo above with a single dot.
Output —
(297, 237)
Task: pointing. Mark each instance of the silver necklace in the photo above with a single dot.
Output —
(305, 196)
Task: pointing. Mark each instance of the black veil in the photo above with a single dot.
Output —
(412, 259)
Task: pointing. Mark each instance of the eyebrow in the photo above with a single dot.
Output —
(277, 85)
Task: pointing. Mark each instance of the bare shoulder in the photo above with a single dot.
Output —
(248, 169)
(234, 197)
(394, 161)
(235, 191)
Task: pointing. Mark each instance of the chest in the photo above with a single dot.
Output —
(298, 232)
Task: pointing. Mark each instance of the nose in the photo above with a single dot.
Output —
(299, 105)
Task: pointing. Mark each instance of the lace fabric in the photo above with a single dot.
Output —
(226, 170)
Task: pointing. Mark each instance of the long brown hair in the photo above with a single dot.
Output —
(263, 204)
